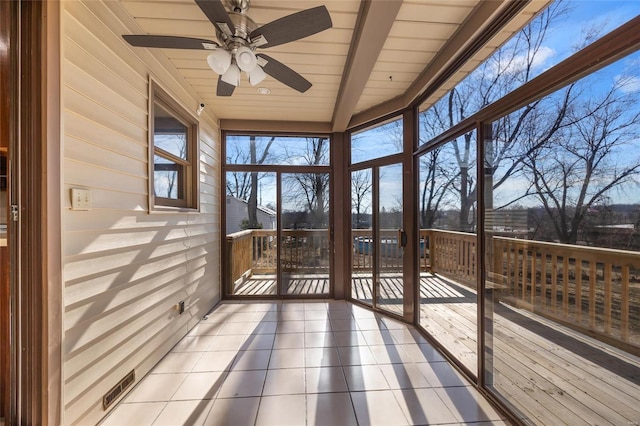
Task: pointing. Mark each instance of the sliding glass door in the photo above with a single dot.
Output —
(305, 234)
(390, 239)
(277, 215)
(378, 238)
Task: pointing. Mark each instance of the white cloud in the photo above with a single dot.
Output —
(519, 63)
(627, 83)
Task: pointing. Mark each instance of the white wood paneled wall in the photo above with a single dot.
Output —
(124, 269)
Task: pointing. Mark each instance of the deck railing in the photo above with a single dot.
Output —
(256, 252)
(593, 288)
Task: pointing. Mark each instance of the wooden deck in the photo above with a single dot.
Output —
(265, 285)
(548, 373)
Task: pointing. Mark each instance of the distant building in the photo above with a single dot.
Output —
(238, 210)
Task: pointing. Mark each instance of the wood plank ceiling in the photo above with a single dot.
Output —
(378, 57)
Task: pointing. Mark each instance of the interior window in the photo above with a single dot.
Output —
(173, 145)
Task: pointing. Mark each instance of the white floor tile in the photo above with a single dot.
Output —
(233, 412)
(365, 378)
(256, 342)
(284, 382)
(349, 338)
(193, 344)
(344, 325)
(467, 405)
(422, 353)
(378, 408)
(317, 326)
(139, 414)
(264, 327)
(330, 409)
(243, 383)
(389, 354)
(242, 317)
(178, 362)
(289, 341)
(442, 374)
(423, 406)
(156, 387)
(200, 386)
(192, 412)
(356, 355)
(378, 337)
(290, 327)
(319, 340)
(325, 379)
(215, 361)
(251, 360)
(404, 376)
(321, 357)
(292, 362)
(226, 343)
(286, 358)
(282, 410)
(317, 315)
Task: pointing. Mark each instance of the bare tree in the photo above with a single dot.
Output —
(361, 184)
(238, 183)
(508, 68)
(253, 193)
(437, 181)
(588, 159)
(314, 195)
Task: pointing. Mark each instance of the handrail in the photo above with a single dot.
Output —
(597, 289)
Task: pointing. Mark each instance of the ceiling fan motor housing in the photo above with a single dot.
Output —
(239, 6)
(243, 26)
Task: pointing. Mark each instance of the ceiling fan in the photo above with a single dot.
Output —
(238, 39)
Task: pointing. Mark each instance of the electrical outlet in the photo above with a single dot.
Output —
(80, 199)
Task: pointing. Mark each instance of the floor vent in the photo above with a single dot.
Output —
(118, 389)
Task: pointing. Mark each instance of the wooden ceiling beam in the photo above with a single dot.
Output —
(375, 20)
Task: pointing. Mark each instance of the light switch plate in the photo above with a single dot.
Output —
(80, 199)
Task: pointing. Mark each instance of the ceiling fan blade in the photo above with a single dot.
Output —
(283, 73)
(170, 42)
(217, 14)
(292, 27)
(224, 89)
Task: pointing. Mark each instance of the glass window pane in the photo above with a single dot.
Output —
(390, 252)
(304, 246)
(380, 141)
(563, 250)
(448, 249)
(278, 150)
(167, 178)
(170, 134)
(362, 235)
(251, 229)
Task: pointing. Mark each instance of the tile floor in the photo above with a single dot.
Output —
(296, 363)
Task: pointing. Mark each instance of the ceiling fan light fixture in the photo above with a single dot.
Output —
(232, 76)
(256, 76)
(219, 61)
(246, 59)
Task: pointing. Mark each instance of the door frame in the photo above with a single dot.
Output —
(277, 170)
(407, 270)
(35, 291)
(280, 291)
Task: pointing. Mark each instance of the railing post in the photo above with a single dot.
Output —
(432, 252)
(229, 265)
